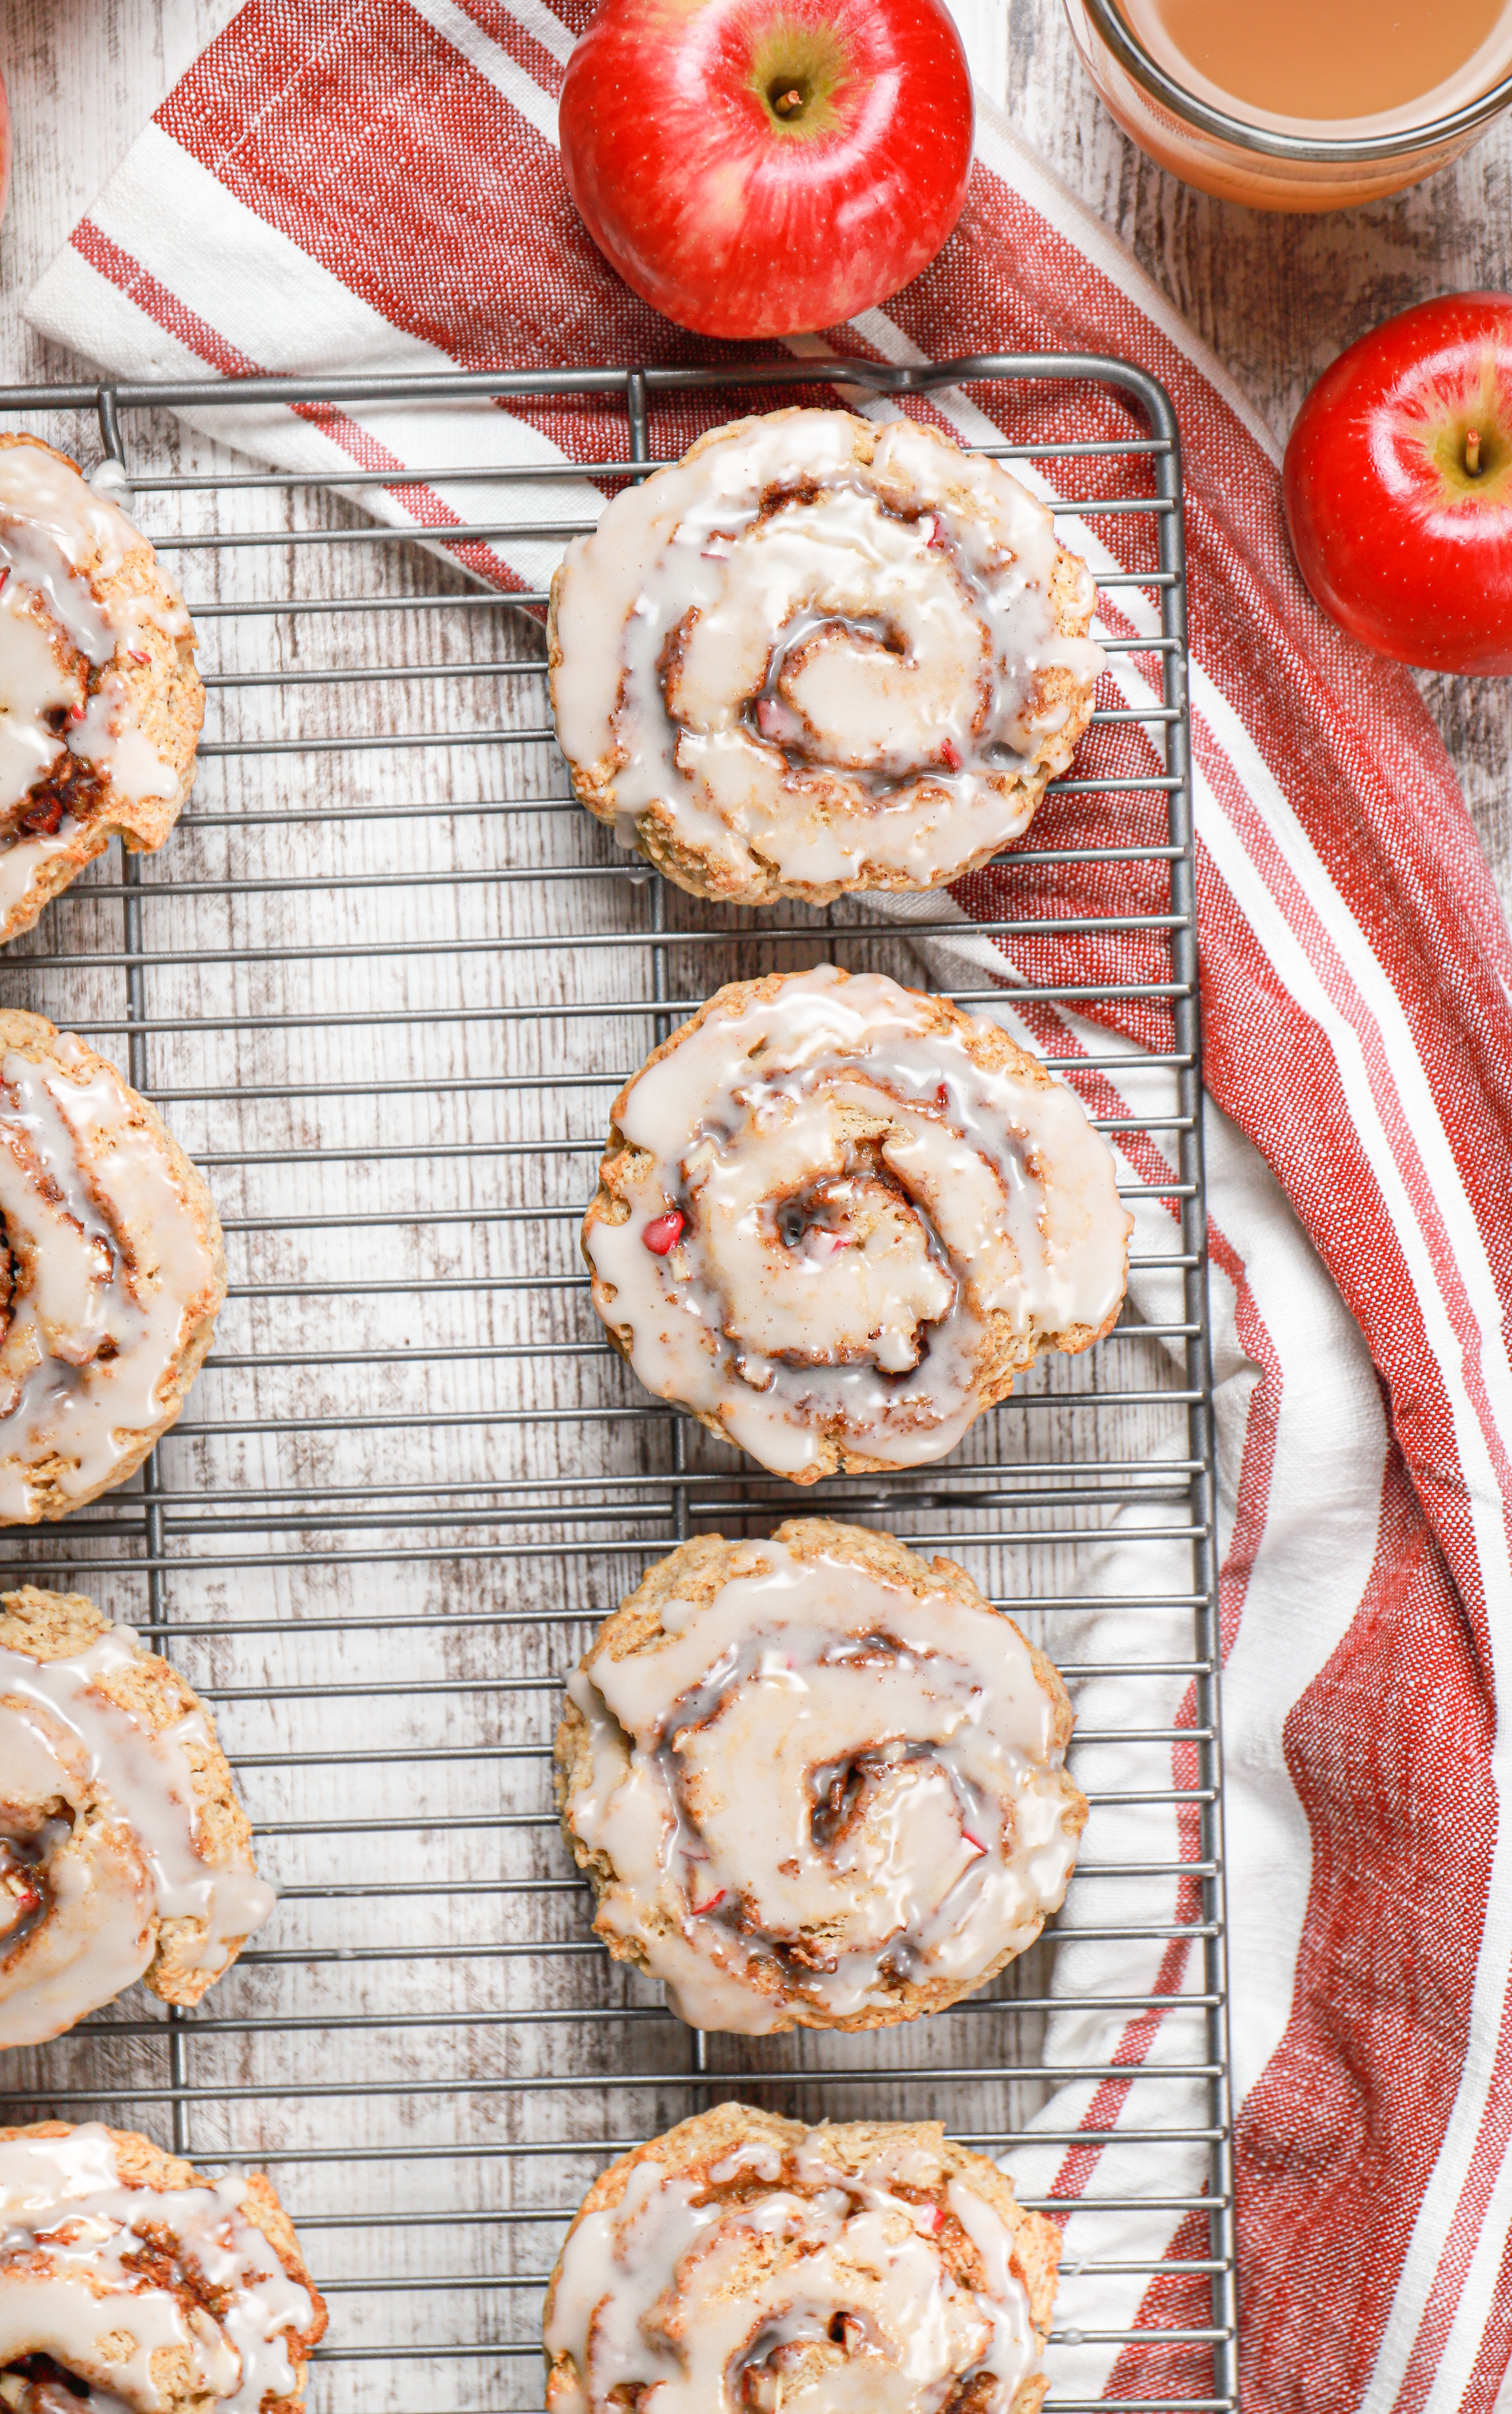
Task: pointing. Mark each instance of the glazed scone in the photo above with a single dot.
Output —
(116, 1273)
(835, 1218)
(816, 1782)
(123, 1850)
(743, 2263)
(130, 2284)
(100, 703)
(817, 655)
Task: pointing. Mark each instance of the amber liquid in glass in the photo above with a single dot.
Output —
(1321, 67)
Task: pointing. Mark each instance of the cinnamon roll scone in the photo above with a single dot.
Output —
(816, 1782)
(132, 2284)
(123, 1850)
(111, 1272)
(817, 655)
(836, 1217)
(100, 703)
(742, 2262)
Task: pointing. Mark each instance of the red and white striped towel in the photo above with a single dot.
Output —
(373, 185)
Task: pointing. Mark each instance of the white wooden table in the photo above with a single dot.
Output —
(84, 75)
(1277, 298)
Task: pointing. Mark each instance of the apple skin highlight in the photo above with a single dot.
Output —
(1397, 487)
(767, 167)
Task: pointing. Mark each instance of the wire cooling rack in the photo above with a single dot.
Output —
(384, 980)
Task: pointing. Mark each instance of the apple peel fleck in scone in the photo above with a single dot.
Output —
(166, 2292)
(835, 1218)
(742, 2261)
(116, 1273)
(100, 702)
(817, 655)
(123, 1850)
(878, 1857)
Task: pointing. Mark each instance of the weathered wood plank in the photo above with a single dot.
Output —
(1277, 298)
(85, 74)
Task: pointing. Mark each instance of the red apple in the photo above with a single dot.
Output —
(1398, 485)
(763, 167)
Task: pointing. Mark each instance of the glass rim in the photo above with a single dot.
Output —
(1340, 151)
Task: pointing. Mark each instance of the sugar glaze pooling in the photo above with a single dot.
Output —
(784, 653)
(809, 1292)
(62, 1740)
(63, 2202)
(714, 1756)
(670, 2294)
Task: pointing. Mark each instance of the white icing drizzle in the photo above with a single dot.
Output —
(68, 2224)
(708, 2302)
(820, 1781)
(40, 681)
(108, 1261)
(788, 654)
(859, 1196)
(58, 541)
(65, 1744)
(24, 861)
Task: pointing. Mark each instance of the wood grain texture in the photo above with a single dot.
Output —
(464, 2074)
(1277, 298)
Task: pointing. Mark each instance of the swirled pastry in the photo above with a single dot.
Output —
(123, 1850)
(836, 1217)
(816, 655)
(129, 2284)
(112, 1273)
(743, 2263)
(816, 1782)
(100, 703)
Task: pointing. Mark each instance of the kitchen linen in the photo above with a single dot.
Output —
(373, 185)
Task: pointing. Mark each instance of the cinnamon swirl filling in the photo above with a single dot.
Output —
(114, 1273)
(817, 655)
(817, 1781)
(100, 705)
(131, 2284)
(836, 1217)
(124, 1854)
(742, 2262)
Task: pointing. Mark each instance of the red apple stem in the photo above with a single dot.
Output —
(786, 102)
(1473, 451)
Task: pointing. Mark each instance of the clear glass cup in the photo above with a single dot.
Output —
(1265, 169)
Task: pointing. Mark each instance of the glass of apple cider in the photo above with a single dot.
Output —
(1299, 104)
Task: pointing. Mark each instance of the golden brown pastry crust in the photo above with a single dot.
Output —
(33, 1037)
(1003, 1353)
(695, 1573)
(54, 1626)
(140, 2164)
(168, 697)
(758, 882)
(696, 2146)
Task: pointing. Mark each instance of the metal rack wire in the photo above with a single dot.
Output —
(384, 981)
